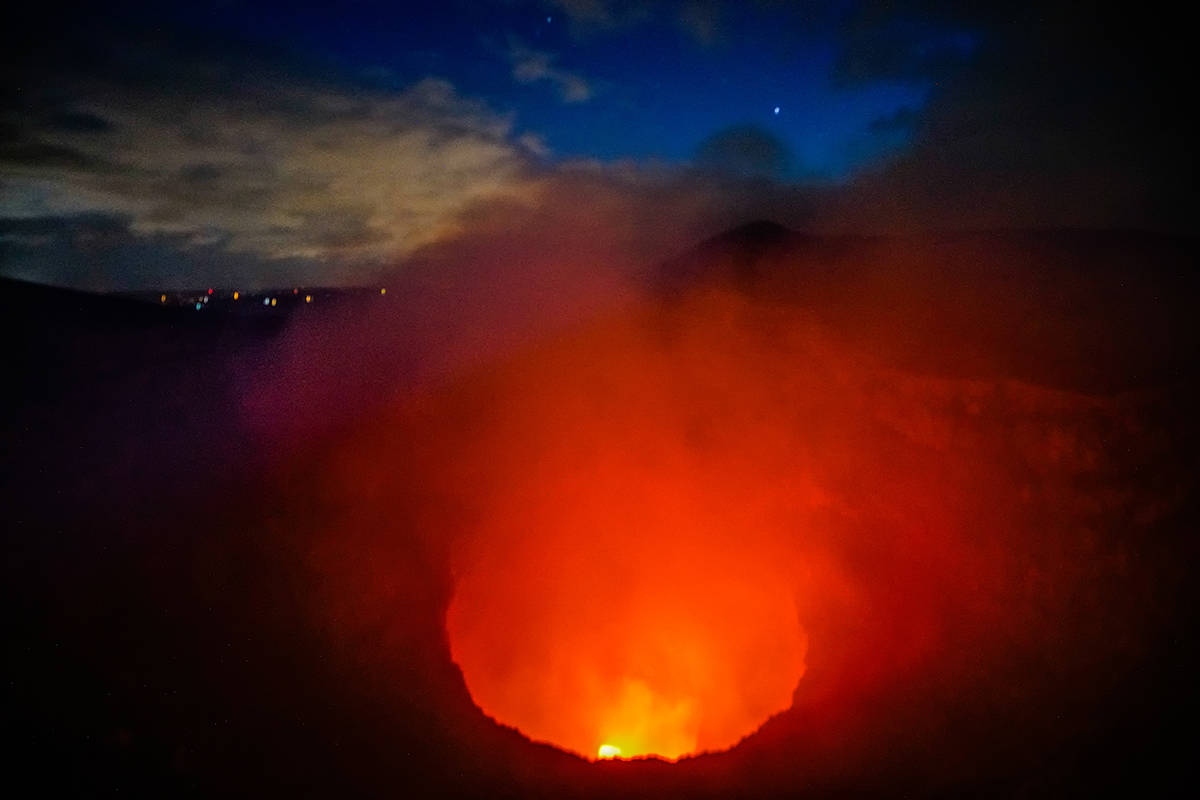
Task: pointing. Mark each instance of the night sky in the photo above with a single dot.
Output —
(260, 144)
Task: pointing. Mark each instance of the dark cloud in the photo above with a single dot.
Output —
(888, 44)
(35, 154)
(745, 151)
(901, 120)
(1056, 118)
(79, 122)
(199, 173)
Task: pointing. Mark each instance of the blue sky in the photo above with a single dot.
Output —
(650, 84)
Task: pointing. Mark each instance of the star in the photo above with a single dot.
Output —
(776, 110)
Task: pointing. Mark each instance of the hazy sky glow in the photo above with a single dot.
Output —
(259, 143)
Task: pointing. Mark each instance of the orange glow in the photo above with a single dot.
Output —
(308, 298)
(668, 654)
(622, 589)
(662, 532)
(689, 523)
(236, 295)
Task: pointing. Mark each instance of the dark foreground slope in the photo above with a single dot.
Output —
(172, 627)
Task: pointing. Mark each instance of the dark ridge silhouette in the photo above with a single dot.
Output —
(737, 254)
(757, 233)
(764, 250)
(1097, 311)
(22, 302)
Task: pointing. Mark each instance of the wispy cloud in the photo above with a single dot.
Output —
(604, 14)
(699, 19)
(535, 66)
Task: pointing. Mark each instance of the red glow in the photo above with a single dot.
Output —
(666, 641)
(675, 523)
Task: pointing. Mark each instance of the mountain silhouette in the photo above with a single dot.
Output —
(737, 254)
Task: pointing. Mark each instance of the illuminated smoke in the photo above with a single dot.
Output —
(665, 527)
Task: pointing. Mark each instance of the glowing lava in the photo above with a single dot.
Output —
(670, 659)
(628, 582)
(670, 642)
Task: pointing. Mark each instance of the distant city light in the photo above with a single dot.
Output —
(272, 302)
(295, 291)
(210, 291)
(199, 306)
(205, 299)
(266, 301)
(162, 298)
(383, 291)
(308, 298)
(236, 294)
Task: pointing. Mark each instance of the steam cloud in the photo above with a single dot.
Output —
(821, 472)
